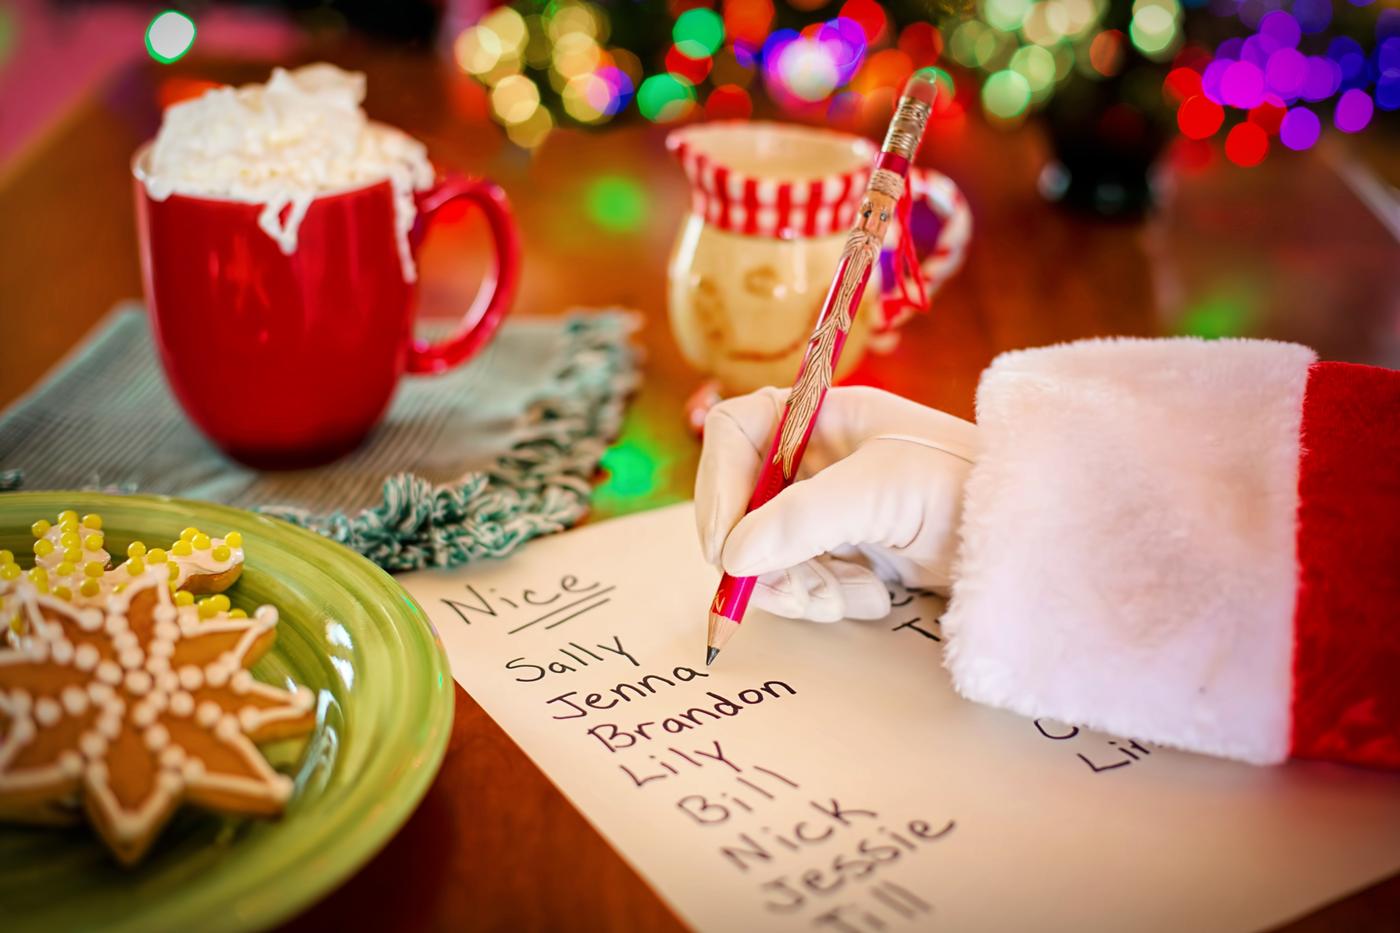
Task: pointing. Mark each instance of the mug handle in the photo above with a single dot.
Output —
(497, 291)
(943, 197)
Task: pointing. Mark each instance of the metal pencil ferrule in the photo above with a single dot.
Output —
(907, 127)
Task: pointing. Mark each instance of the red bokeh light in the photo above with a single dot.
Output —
(922, 43)
(1247, 144)
(1180, 84)
(693, 70)
(1268, 117)
(887, 69)
(1191, 155)
(747, 20)
(728, 102)
(869, 16)
(1199, 117)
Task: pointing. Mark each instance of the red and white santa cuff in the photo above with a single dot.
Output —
(1194, 543)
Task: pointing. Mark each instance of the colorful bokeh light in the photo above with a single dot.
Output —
(665, 98)
(169, 36)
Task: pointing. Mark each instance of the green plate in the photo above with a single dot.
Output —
(384, 710)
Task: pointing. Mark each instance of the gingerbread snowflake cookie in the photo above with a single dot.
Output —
(138, 705)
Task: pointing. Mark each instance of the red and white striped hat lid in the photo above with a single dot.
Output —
(773, 180)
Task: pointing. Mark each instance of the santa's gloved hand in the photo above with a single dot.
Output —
(878, 498)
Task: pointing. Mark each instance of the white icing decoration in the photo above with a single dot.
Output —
(116, 624)
(132, 659)
(62, 651)
(126, 641)
(92, 745)
(75, 700)
(217, 674)
(172, 756)
(47, 712)
(182, 704)
(207, 714)
(143, 715)
(242, 681)
(157, 737)
(109, 672)
(191, 677)
(70, 763)
(85, 657)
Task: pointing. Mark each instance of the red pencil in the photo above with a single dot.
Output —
(861, 253)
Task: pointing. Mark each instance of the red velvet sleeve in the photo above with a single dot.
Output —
(1346, 666)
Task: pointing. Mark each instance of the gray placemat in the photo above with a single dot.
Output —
(467, 464)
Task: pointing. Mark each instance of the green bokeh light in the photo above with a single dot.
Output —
(8, 28)
(169, 36)
(1006, 95)
(664, 97)
(632, 471)
(616, 203)
(1217, 316)
(698, 33)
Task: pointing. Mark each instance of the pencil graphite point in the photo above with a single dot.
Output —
(710, 655)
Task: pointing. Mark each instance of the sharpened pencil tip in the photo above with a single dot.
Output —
(710, 655)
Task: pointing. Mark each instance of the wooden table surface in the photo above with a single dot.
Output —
(1286, 250)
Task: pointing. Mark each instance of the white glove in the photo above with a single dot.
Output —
(879, 495)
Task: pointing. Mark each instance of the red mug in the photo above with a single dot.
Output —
(289, 361)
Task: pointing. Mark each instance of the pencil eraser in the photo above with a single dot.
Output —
(923, 85)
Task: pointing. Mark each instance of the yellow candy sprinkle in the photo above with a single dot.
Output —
(184, 598)
(219, 601)
(69, 539)
(136, 549)
(181, 549)
(40, 528)
(156, 555)
(89, 588)
(10, 572)
(237, 614)
(200, 542)
(94, 542)
(67, 515)
(206, 608)
(65, 569)
(233, 539)
(7, 557)
(38, 574)
(136, 566)
(174, 572)
(63, 592)
(43, 547)
(189, 533)
(222, 552)
(68, 525)
(94, 569)
(73, 555)
(92, 521)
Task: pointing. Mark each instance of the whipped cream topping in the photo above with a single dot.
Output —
(281, 145)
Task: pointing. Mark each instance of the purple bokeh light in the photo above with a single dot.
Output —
(1354, 111)
(1285, 72)
(1242, 85)
(1282, 28)
(1313, 16)
(1211, 78)
(1230, 49)
(1299, 129)
(1257, 49)
(844, 43)
(1323, 78)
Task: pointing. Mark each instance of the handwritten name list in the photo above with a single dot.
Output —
(826, 777)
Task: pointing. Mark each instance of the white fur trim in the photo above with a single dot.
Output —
(1127, 558)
